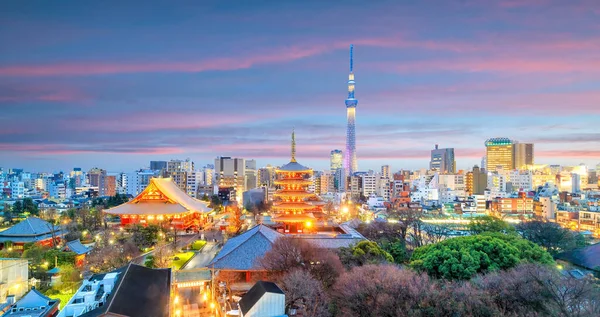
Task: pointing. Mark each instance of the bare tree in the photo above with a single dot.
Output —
(288, 253)
(304, 293)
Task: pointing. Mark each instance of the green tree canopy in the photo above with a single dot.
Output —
(30, 206)
(461, 258)
(364, 252)
(490, 224)
(551, 236)
(397, 249)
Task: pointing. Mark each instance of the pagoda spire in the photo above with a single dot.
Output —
(293, 146)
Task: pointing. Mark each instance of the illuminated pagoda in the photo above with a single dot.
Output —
(162, 202)
(292, 205)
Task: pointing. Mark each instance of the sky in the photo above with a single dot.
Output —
(115, 84)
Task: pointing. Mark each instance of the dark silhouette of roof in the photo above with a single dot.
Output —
(141, 292)
(256, 293)
(588, 257)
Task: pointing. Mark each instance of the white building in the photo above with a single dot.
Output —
(14, 276)
(521, 180)
(17, 189)
(92, 294)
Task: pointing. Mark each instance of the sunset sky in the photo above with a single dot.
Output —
(114, 85)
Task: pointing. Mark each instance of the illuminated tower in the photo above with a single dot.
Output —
(350, 163)
(499, 153)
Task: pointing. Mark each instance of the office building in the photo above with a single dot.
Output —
(158, 165)
(523, 155)
(442, 160)
(499, 153)
(96, 177)
(336, 160)
(386, 172)
(230, 176)
(251, 175)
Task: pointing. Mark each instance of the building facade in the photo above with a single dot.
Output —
(442, 160)
(499, 153)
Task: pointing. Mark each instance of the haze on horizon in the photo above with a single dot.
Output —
(115, 85)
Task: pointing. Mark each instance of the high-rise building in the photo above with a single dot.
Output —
(158, 165)
(336, 160)
(267, 176)
(442, 160)
(386, 172)
(350, 162)
(476, 181)
(110, 183)
(230, 174)
(523, 153)
(183, 174)
(208, 174)
(96, 178)
(251, 175)
(499, 153)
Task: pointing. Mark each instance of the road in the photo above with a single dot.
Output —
(202, 258)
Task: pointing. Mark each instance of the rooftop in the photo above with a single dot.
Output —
(32, 229)
(33, 304)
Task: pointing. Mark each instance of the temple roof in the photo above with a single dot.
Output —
(294, 218)
(32, 229)
(241, 252)
(77, 247)
(293, 167)
(160, 197)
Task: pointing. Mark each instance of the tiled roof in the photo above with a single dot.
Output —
(179, 201)
(32, 229)
(33, 304)
(293, 167)
(588, 257)
(77, 247)
(241, 252)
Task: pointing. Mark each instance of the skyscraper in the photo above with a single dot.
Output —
(523, 155)
(350, 163)
(158, 165)
(442, 160)
(385, 172)
(499, 153)
(336, 160)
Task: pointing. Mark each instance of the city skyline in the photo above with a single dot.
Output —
(76, 91)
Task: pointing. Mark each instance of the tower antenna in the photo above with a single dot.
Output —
(293, 146)
(351, 58)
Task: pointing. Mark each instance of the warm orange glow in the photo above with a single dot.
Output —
(308, 224)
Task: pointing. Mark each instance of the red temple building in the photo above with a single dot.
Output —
(293, 204)
(163, 202)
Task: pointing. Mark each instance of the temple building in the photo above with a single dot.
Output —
(32, 229)
(293, 204)
(163, 202)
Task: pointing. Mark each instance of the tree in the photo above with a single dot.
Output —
(34, 253)
(290, 253)
(463, 257)
(108, 256)
(364, 252)
(550, 236)
(235, 220)
(143, 237)
(163, 256)
(397, 249)
(489, 224)
(30, 206)
(534, 290)
(304, 292)
(17, 207)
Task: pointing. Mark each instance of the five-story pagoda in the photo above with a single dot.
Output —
(291, 206)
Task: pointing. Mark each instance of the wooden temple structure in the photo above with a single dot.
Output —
(292, 205)
(163, 202)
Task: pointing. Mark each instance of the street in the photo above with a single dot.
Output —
(203, 257)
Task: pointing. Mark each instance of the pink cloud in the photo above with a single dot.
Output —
(47, 92)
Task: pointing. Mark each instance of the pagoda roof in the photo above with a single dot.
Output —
(293, 181)
(292, 205)
(294, 167)
(160, 197)
(294, 218)
(32, 229)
